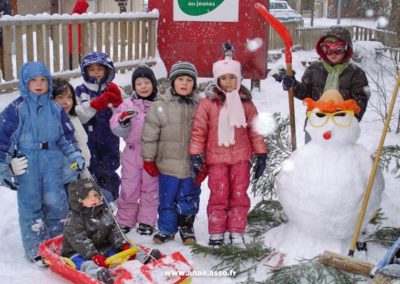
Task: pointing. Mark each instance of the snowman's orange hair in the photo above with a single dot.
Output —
(331, 106)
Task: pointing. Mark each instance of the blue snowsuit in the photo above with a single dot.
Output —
(37, 127)
(103, 144)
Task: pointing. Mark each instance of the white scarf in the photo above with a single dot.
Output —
(230, 116)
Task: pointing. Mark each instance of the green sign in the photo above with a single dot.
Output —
(198, 7)
(206, 10)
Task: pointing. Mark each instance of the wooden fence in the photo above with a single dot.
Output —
(307, 37)
(129, 39)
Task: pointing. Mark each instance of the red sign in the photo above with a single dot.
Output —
(201, 42)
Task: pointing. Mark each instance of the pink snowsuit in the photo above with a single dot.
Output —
(228, 167)
(138, 199)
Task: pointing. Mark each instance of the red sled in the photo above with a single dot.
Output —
(172, 268)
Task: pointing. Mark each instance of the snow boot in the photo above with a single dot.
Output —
(161, 238)
(145, 258)
(39, 261)
(186, 230)
(145, 230)
(216, 240)
(105, 275)
(237, 240)
(124, 229)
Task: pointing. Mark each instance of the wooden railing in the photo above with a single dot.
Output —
(307, 37)
(128, 38)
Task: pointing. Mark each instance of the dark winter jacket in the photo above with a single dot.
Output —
(353, 83)
(89, 231)
(103, 144)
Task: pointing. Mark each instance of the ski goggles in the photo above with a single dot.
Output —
(342, 118)
(336, 48)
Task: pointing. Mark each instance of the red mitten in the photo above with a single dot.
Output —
(151, 168)
(114, 94)
(201, 176)
(100, 103)
(113, 88)
(124, 118)
(100, 260)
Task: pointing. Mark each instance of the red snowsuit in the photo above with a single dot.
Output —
(80, 7)
(228, 167)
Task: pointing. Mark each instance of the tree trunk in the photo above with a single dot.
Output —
(394, 19)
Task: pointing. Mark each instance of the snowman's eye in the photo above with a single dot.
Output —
(320, 114)
(337, 114)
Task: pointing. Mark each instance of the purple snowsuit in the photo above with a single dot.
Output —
(138, 199)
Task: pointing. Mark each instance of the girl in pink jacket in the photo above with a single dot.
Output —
(223, 142)
(138, 198)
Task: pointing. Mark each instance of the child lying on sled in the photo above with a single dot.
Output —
(91, 233)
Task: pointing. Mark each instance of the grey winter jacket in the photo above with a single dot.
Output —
(166, 133)
(89, 231)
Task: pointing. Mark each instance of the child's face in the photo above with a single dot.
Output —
(65, 100)
(38, 85)
(93, 199)
(183, 85)
(96, 71)
(335, 58)
(228, 82)
(143, 87)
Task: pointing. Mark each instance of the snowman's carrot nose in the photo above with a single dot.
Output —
(327, 135)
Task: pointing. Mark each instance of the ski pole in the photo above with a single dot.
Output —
(374, 168)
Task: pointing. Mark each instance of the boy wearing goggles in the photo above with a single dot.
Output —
(334, 71)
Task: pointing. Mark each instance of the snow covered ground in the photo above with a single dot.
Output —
(14, 268)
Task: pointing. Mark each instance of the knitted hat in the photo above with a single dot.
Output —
(143, 71)
(227, 66)
(332, 101)
(182, 68)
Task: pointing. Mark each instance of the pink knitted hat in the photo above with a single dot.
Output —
(227, 66)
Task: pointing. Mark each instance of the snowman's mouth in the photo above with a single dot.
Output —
(327, 135)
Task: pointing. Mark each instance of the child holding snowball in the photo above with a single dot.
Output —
(223, 141)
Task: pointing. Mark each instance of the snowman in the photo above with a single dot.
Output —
(322, 185)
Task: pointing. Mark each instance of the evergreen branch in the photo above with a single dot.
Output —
(311, 272)
(264, 216)
(385, 236)
(279, 149)
(240, 260)
(391, 154)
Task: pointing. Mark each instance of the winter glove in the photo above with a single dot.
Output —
(18, 165)
(100, 260)
(5, 177)
(101, 102)
(288, 82)
(198, 170)
(261, 163)
(151, 168)
(201, 176)
(80, 163)
(125, 118)
(114, 94)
